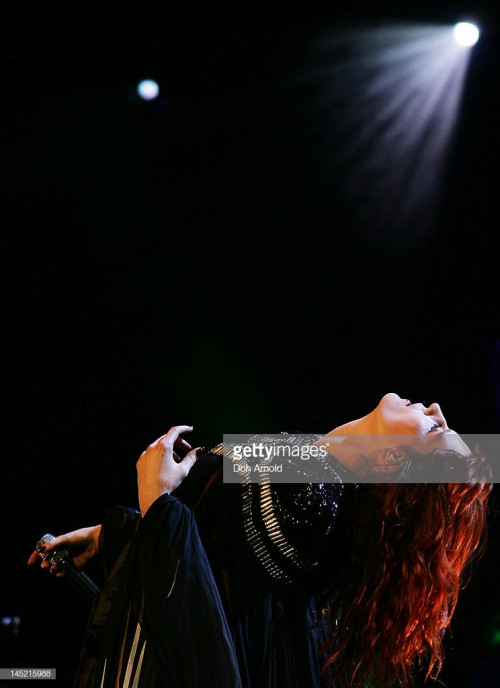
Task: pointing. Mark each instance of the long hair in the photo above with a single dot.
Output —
(411, 550)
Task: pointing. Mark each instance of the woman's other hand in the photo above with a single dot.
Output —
(82, 544)
(160, 469)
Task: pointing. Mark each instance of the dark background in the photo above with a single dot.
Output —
(194, 260)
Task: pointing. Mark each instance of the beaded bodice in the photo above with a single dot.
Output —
(288, 526)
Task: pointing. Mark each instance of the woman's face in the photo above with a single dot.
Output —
(394, 424)
(394, 416)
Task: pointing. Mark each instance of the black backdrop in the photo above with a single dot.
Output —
(192, 260)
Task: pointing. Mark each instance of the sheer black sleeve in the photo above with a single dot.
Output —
(181, 609)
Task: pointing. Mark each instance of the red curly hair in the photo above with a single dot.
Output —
(411, 550)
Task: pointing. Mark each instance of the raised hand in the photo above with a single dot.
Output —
(160, 469)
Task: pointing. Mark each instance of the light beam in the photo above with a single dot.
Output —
(391, 94)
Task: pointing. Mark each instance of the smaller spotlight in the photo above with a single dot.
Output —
(466, 34)
(148, 89)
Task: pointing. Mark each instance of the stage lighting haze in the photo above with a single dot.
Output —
(148, 89)
(466, 34)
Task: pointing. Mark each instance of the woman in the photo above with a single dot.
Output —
(301, 586)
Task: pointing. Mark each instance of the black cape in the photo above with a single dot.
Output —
(216, 588)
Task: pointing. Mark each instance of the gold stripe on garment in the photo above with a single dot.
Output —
(139, 666)
(104, 672)
(131, 658)
(254, 539)
(274, 530)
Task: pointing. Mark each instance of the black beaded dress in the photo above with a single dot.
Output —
(218, 585)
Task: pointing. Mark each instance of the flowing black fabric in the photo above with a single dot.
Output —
(188, 603)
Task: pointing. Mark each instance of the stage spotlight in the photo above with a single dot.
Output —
(392, 94)
(466, 34)
(148, 89)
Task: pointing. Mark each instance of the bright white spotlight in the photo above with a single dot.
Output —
(466, 34)
(148, 89)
